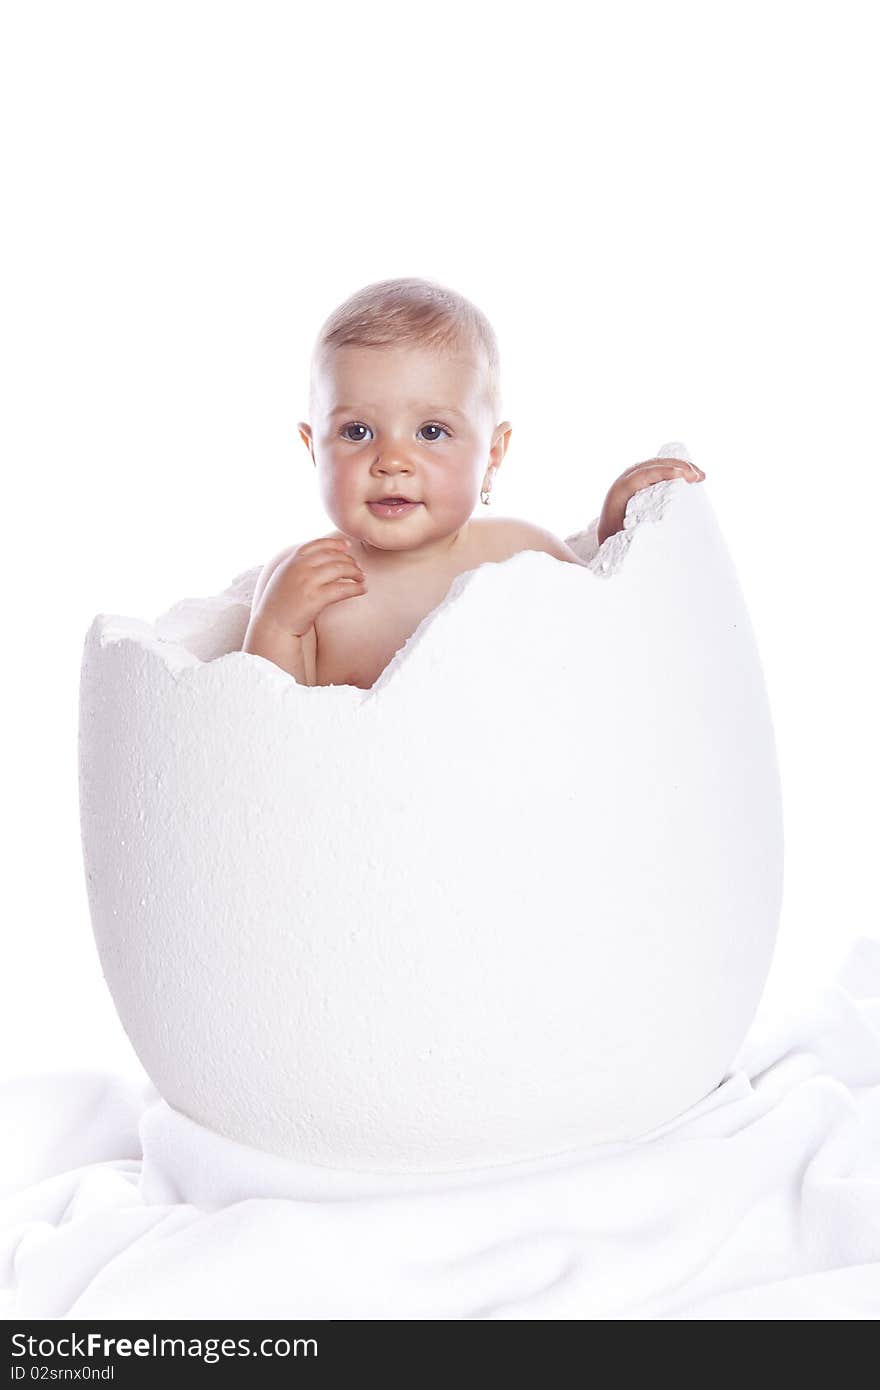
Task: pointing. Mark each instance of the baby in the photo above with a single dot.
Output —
(404, 399)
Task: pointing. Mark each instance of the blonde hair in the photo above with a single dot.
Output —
(388, 313)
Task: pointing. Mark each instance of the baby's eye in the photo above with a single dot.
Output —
(435, 427)
(354, 425)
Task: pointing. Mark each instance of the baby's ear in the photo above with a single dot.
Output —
(500, 441)
(305, 434)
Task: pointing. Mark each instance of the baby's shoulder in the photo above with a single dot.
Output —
(501, 537)
(269, 569)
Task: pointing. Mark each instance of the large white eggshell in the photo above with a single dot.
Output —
(518, 898)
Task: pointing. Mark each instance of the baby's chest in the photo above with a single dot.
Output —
(357, 637)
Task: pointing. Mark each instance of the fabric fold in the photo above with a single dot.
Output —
(762, 1201)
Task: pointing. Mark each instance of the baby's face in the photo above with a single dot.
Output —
(406, 421)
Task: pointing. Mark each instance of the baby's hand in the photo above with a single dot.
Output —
(318, 573)
(641, 475)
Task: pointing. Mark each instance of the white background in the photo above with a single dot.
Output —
(667, 211)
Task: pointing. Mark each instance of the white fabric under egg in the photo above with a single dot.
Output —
(519, 897)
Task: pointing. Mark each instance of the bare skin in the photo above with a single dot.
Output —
(410, 422)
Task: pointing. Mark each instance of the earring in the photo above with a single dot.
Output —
(484, 496)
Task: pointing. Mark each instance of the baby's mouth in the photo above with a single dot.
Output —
(391, 506)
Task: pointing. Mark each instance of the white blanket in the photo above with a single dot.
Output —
(761, 1202)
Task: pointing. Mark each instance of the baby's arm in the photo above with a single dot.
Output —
(633, 480)
(264, 637)
(527, 536)
(293, 589)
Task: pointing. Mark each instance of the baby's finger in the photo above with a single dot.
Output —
(653, 466)
(325, 545)
(337, 560)
(680, 464)
(688, 470)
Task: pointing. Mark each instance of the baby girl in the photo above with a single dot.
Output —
(404, 396)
